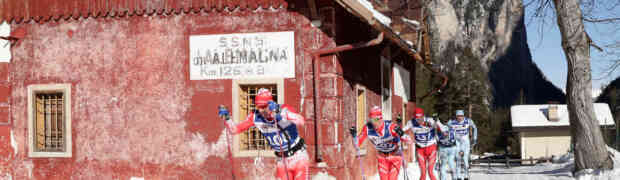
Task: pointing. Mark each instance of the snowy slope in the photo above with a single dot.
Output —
(546, 171)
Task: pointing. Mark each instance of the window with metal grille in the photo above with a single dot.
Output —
(49, 120)
(361, 111)
(252, 139)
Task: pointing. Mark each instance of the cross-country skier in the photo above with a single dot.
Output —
(462, 128)
(447, 150)
(424, 135)
(278, 124)
(385, 136)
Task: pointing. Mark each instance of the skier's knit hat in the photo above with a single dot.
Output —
(419, 113)
(460, 113)
(263, 97)
(375, 112)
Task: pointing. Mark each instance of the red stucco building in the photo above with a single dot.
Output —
(123, 89)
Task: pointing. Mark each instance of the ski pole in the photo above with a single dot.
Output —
(462, 164)
(406, 177)
(359, 159)
(282, 153)
(228, 141)
(402, 160)
(288, 144)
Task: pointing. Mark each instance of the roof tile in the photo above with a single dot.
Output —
(45, 10)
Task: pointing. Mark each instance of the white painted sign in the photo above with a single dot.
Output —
(402, 83)
(5, 46)
(246, 55)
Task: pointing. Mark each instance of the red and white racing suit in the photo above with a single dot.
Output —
(385, 140)
(281, 139)
(426, 144)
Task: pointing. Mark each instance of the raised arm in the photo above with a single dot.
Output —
(242, 126)
(441, 127)
(397, 131)
(408, 126)
(408, 129)
(362, 136)
(289, 114)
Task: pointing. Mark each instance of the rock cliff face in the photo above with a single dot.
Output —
(491, 32)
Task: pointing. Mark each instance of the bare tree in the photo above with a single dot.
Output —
(601, 17)
(590, 148)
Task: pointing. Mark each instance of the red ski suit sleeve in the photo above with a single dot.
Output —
(287, 113)
(362, 136)
(242, 126)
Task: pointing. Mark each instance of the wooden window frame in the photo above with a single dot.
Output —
(364, 114)
(61, 88)
(279, 82)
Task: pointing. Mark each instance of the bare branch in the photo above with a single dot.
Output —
(596, 47)
(601, 20)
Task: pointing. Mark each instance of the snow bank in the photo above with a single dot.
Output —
(561, 169)
(568, 157)
(614, 174)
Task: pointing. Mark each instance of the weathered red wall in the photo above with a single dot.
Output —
(135, 113)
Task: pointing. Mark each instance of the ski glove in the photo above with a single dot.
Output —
(223, 112)
(353, 131)
(399, 131)
(278, 117)
(274, 107)
(369, 125)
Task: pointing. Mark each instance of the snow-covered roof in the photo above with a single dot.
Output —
(536, 115)
(376, 14)
(394, 29)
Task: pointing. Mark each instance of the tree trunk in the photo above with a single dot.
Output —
(590, 148)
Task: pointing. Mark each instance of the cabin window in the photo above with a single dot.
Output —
(252, 142)
(49, 120)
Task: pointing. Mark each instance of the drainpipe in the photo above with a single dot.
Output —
(11, 40)
(316, 54)
(416, 56)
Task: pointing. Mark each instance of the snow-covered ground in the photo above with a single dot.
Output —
(602, 175)
(545, 171)
(560, 170)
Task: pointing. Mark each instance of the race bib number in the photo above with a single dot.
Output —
(421, 137)
(276, 140)
(384, 145)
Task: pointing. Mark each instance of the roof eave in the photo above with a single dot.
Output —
(354, 7)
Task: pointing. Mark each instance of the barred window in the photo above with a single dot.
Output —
(253, 139)
(251, 143)
(361, 109)
(49, 120)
